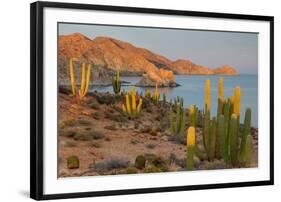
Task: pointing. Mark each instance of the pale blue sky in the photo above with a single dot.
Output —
(208, 48)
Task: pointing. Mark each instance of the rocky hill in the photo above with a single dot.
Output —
(108, 54)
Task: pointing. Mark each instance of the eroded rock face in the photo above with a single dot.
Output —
(225, 70)
(108, 54)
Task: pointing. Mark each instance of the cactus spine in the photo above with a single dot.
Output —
(190, 143)
(116, 83)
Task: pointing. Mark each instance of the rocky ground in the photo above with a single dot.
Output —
(104, 141)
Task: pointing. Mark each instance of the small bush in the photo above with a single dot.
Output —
(95, 106)
(72, 162)
(140, 162)
(114, 163)
(69, 122)
(150, 146)
(89, 135)
(97, 115)
(152, 169)
(95, 144)
(70, 144)
(69, 133)
(129, 170)
(110, 127)
(84, 122)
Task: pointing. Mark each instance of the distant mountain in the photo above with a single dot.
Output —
(108, 54)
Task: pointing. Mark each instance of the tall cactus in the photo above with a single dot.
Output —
(233, 139)
(85, 79)
(72, 76)
(246, 131)
(212, 140)
(219, 112)
(190, 143)
(177, 121)
(207, 117)
(116, 83)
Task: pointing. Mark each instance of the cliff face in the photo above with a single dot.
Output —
(108, 54)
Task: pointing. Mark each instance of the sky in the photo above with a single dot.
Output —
(208, 48)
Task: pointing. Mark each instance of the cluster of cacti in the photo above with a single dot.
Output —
(85, 80)
(164, 97)
(156, 95)
(116, 83)
(178, 100)
(147, 94)
(133, 104)
(190, 147)
(221, 136)
(177, 121)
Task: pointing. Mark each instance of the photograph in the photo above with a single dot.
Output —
(137, 100)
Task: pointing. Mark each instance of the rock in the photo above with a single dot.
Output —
(72, 162)
(140, 162)
(226, 70)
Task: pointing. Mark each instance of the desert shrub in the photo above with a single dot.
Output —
(97, 115)
(69, 122)
(106, 99)
(88, 128)
(70, 144)
(134, 142)
(69, 133)
(140, 162)
(151, 169)
(150, 146)
(115, 117)
(146, 129)
(95, 106)
(114, 163)
(89, 135)
(72, 162)
(129, 170)
(84, 122)
(110, 127)
(95, 144)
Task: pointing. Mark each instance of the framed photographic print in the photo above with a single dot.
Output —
(135, 100)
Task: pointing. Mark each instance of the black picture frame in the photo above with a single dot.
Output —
(37, 101)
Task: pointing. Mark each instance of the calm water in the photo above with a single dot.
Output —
(192, 90)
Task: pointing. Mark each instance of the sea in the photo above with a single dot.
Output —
(192, 90)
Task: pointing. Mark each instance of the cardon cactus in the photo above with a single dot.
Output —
(233, 139)
(116, 83)
(147, 94)
(212, 140)
(177, 121)
(131, 108)
(85, 79)
(219, 112)
(156, 95)
(246, 132)
(190, 143)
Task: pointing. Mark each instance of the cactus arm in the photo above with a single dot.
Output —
(87, 80)
(128, 105)
(206, 131)
(72, 77)
(133, 103)
(81, 91)
(236, 108)
(207, 95)
(124, 108)
(139, 106)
